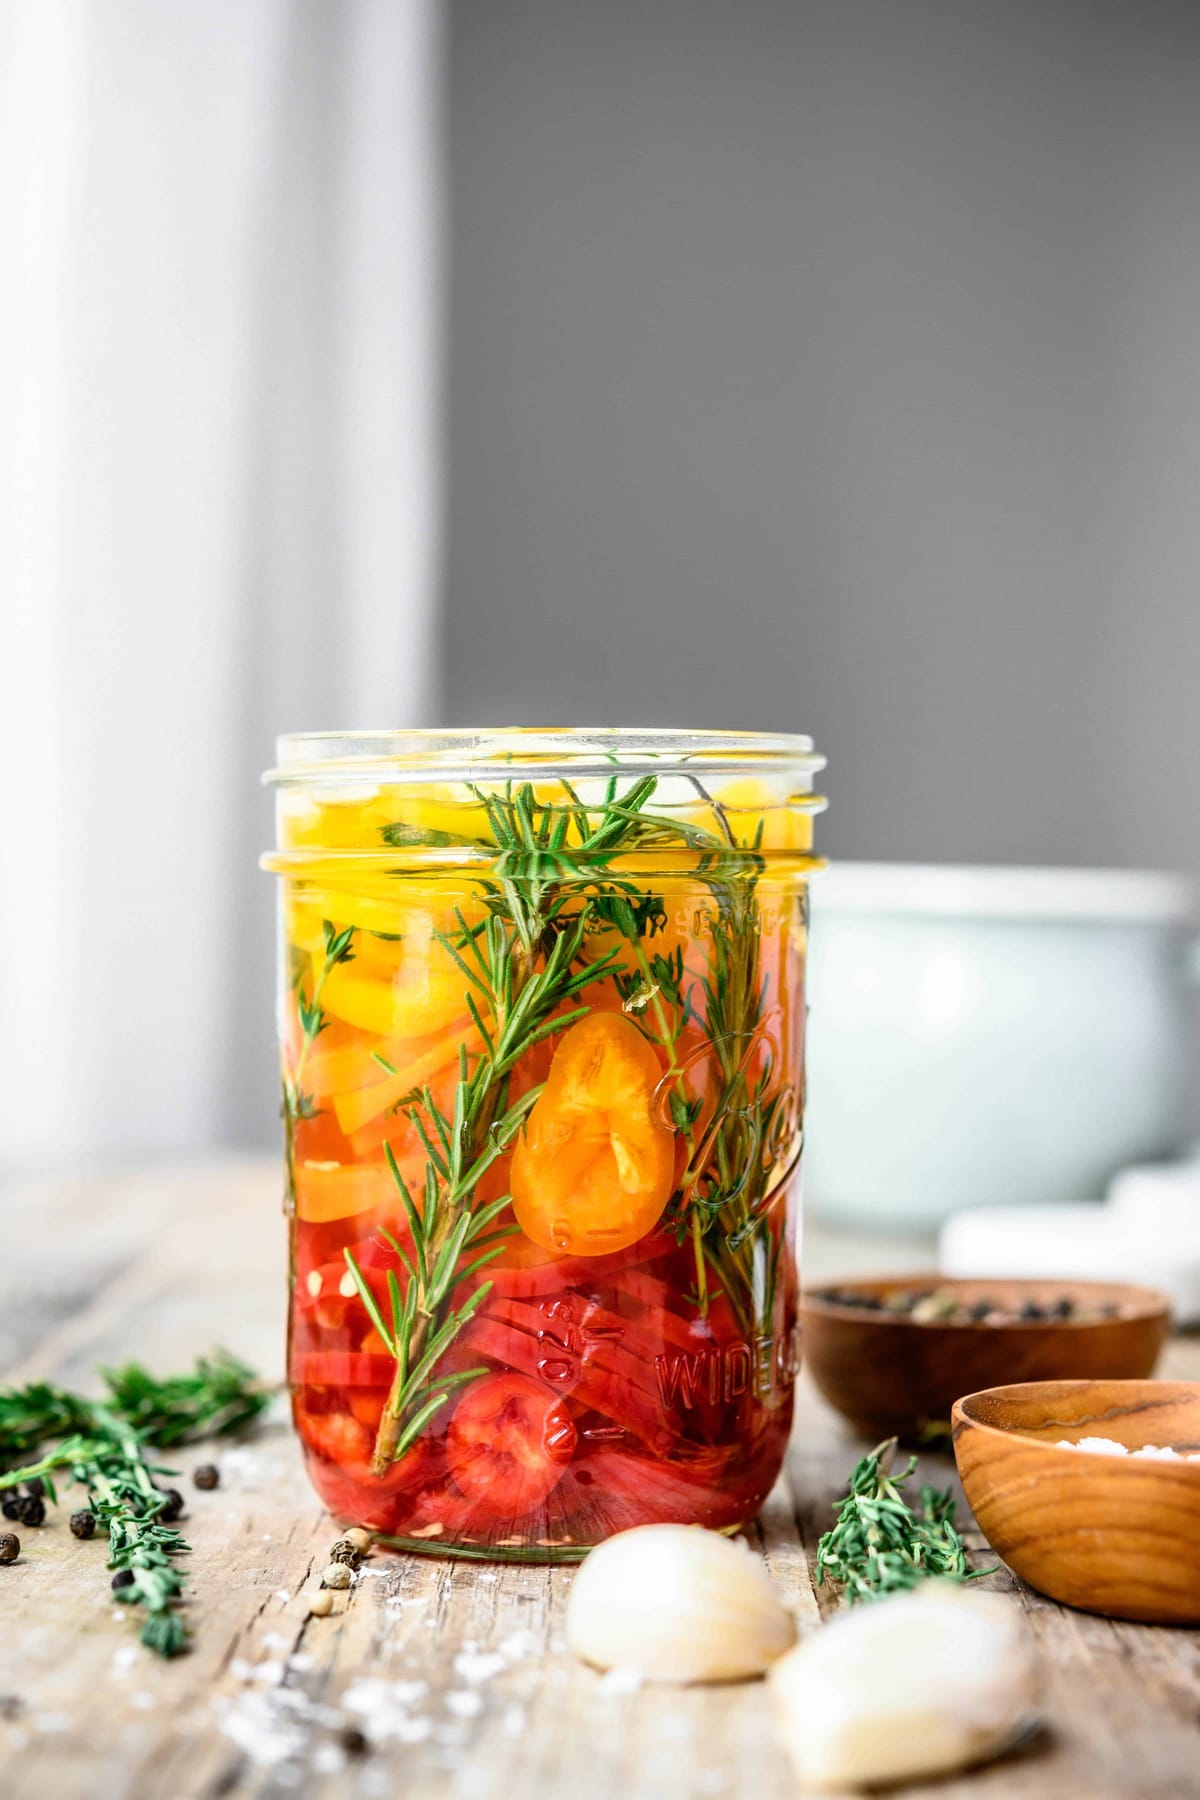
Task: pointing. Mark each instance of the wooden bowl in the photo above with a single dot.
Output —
(892, 1375)
(1108, 1534)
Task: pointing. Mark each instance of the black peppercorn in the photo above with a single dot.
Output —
(10, 1546)
(83, 1523)
(10, 1506)
(31, 1509)
(173, 1505)
(206, 1476)
(122, 1579)
(354, 1742)
(35, 1485)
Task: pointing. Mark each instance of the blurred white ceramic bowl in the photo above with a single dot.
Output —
(991, 1036)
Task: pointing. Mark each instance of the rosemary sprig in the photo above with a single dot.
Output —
(102, 1446)
(880, 1545)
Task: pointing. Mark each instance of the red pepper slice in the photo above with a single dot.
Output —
(341, 1369)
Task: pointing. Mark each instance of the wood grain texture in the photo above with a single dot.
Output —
(163, 1267)
(1111, 1534)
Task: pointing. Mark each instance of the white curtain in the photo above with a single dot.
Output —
(219, 250)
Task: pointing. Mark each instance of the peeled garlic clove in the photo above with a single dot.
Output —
(905, 1687)
(677, 1603)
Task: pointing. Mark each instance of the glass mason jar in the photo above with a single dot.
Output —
(541, 1017)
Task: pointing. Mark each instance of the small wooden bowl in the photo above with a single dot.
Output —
(892, 1375)
(1108, 1534)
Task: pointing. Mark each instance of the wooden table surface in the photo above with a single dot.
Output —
(458, 1671)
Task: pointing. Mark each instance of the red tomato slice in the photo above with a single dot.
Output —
(508, 1443)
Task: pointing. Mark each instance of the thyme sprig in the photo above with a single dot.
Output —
(879, 1544)
(103, 1445)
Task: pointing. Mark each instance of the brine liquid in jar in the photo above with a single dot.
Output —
(541, 1018)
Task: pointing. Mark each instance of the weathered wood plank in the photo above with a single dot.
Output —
(475, 1695)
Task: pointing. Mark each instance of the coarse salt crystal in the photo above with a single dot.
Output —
(464, 1705)
(513, 1722)
(519, 1644)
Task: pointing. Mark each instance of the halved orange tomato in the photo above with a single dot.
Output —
(594, 1167)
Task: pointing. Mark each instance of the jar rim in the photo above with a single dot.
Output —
(526, 752)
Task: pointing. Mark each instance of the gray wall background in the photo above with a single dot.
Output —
(833, 366)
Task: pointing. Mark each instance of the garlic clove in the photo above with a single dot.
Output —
(677, 1603)
(910, 1686)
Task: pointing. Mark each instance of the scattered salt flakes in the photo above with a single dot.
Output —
(366, 1571)
(520, 1644)
(329, 1759)
(513, 1722)
(282, 1595)
(301, 1662)
(272, 1640)
(385, 1709)
(408, 1693)
(621, 1681)
(557, 1645)
(412, 1731)
(146, 1701)
(465, 1704)
(264, 1734)
(367, 1694)
(270, 1673)
(477, 1666)
(488, 1575)
(240, 1669)
(124, 1658)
